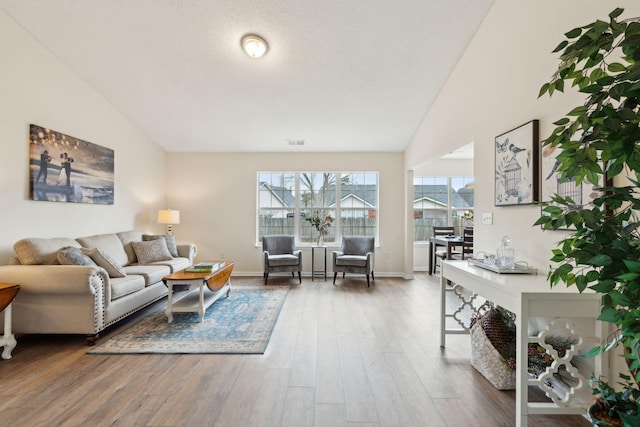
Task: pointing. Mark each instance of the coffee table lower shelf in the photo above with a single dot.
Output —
(204, 290)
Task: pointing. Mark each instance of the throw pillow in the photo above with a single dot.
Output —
(107, 242)
(73, 256)
(170, 239)
(33, 251)
(151, 251)
(104, 260)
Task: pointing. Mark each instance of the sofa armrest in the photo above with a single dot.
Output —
(187, 250)
(57, 279)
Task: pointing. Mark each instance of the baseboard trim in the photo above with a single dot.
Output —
(307, 274)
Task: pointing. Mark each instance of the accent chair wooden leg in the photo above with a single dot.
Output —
(343, 273)
(372, 276)
(266, 276)
(300, 277)
(334, 277)
(293, 274)
(368, 281)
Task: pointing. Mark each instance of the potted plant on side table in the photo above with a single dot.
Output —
(599, 145)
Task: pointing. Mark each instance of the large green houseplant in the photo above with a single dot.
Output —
(597, 139)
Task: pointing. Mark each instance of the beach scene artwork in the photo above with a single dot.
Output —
(67, 169)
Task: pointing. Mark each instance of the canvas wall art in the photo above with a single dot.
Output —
(516, 166)
(67, 169)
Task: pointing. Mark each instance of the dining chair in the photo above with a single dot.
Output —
(440, 231)
(467, 244)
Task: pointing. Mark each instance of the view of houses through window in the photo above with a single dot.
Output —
(441, 201)
(288, 201)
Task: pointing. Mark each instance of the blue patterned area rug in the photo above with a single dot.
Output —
(239, 324)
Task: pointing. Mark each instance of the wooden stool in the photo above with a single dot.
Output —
(8, 292)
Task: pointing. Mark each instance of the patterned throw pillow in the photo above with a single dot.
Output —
(151, 251)
(104, 260)
(170, 239)
(73, 256)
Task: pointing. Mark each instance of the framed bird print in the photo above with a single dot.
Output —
(551, 182)
(516, 166)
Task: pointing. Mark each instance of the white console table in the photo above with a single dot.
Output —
(526, 295)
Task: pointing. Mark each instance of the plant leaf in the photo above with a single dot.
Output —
(601, 260)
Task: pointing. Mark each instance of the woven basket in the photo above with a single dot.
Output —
(484, 356)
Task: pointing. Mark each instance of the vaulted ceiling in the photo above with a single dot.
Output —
(339, 75)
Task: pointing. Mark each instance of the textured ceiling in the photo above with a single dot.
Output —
(355, 75)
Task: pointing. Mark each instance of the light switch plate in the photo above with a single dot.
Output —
(487, 218)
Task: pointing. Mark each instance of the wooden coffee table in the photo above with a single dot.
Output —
(204, 289)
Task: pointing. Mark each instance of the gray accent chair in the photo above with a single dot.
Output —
(356, 256)
(280, 254)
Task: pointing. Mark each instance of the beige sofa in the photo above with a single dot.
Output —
(83, 285)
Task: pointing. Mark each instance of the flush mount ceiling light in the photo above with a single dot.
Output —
(254, 46)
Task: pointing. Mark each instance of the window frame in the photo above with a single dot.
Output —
(336, 229)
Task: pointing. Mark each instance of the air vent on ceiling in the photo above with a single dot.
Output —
(295, 141)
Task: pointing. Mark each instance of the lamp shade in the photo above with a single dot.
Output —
(168, 216)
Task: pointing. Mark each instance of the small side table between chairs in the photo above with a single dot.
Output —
(8, 291)
(316, 271)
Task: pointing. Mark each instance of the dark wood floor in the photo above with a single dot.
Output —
(339, 356)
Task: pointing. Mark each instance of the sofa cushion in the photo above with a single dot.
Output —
(34, 251)
(126, 285)
(151, 273)
(110, 243)
(151, 251)
(74, 256)
(175, 264)
(104, 260)
(170, 239)
(280, 260)
(352, 260)
(126, 237)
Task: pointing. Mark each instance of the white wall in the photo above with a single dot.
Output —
(494, 89)
(444, 167)
(216, 195)
(36, 88)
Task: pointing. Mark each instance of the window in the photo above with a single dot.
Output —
(441, 201)
(358, 204)
(276, 203)
(286, 201)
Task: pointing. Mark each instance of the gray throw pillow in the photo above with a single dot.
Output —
(104, 260)
(170, 239)
(73, 256)
(151, 251)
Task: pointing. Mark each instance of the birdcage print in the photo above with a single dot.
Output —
(567, 188)
(512, 177)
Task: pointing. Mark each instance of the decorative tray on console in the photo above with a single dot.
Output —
(516, 269)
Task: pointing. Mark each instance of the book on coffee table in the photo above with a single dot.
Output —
(203, 267)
